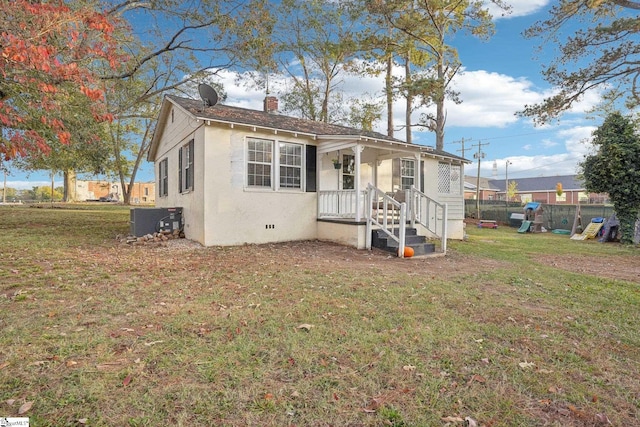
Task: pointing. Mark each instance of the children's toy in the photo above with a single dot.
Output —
(532, 221)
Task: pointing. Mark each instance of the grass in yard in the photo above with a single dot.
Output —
(505, 330)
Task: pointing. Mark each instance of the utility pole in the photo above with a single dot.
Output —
(506, 181)
(479, 156)
(461, 142)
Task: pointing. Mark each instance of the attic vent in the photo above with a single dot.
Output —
(271, 104)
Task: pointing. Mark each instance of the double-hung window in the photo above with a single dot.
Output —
(163, 178)
(185, 166)
(407, 173)
(274, 165)
(290, 165)
(259, 159)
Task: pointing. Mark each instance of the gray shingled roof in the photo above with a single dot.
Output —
(541, 183)
(226, 113)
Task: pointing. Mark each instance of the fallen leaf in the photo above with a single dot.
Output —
(83, 420)
(305, 327)
(4, 365)
(526, 365)
(479, 340)
(408, 368)
(126, 381)
(545, 371)
(368, 411)
(71, 363)
(25, 407)
(603, 419)
(10, 402)
(478, 378)
(594, 398)
(452, 419)
(149, 344)
(268, 396)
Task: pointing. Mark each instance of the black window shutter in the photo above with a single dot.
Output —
(180, 169)
(422, 175)
(191, 161)
(310, 166)
(160, 179)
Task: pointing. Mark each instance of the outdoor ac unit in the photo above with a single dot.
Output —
(153, 220)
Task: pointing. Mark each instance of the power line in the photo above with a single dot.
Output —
(504, 136)
(461, 142)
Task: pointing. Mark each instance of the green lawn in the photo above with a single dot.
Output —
(502, 330)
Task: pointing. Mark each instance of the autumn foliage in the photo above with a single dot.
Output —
(48, 54)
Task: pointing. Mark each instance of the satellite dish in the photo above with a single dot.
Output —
(208, 94)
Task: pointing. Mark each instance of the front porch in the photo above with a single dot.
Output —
(364, 185)
(359, 219)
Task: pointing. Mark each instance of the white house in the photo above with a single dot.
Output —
(248, 176)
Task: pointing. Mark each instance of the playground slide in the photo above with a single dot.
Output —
(524, 227)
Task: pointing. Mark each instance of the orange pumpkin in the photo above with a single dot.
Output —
(408, 252)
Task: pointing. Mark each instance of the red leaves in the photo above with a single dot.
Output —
(46, 54)
(94, 94)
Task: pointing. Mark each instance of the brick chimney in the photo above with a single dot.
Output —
(270, 104)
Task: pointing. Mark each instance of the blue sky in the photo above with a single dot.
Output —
(499, 77)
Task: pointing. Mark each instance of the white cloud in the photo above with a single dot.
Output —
(578, 140)
(532, 166)
(518, 8)
(489, 99)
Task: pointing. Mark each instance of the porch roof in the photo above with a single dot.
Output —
(329, 136)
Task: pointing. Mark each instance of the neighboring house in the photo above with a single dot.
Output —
(247, 176)
(482, 192)
(142, 192)
(543, 189)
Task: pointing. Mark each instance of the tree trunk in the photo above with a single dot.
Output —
(70, 194)
(409, 95)
(440, 113)
(388, 83)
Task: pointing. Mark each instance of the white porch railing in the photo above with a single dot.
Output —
(389, 215)
(380, 209)
(428, 213)
(340, 204)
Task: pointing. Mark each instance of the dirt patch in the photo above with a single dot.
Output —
(327, 256)
(620, 268)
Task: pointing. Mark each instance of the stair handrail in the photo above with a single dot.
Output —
(416, 198)
(385, 202)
